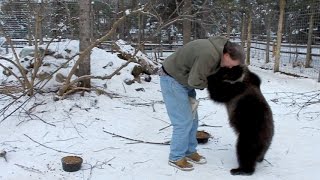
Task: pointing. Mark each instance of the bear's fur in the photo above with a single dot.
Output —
(248, 111)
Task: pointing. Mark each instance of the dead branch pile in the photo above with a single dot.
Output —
(127, 52)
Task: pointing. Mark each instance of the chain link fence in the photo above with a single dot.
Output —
(300, 39)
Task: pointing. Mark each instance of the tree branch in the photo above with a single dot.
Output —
(50, 147)
(138, 141)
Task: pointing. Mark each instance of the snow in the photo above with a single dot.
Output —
(77, 124)
(128, 11)
(128, 49)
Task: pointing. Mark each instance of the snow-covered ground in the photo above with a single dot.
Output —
(77, 125)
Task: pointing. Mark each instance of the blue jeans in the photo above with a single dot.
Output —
(176, 99)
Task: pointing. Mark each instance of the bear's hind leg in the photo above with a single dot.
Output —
(261, 156)
(265, 144)
(247, 154)
(264, 150)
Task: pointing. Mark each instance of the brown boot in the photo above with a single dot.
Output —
(182, 164)
(196, 158)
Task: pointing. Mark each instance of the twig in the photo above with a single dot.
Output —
(153, 106)
(96, 166)
(138, 141)
(31, 118)
(145, 104)
(51, 148)
(310, 128)
(26, 92)
(43, 120)
(105, 149)
(207, 115)
(268, 162)
(205, 125)
(29, 169)
(301, 100)
(74, 126)
(165, 127)
(142, 162)
(16, 108)
(309, 102)
(161, 120)
(202, 125)
(125, 91)
(67, 139)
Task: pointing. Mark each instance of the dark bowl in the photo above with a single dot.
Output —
(202, 137)
(71, 163)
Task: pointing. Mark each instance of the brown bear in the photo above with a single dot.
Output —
(249, 114)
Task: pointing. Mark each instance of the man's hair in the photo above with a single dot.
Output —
(235, 51)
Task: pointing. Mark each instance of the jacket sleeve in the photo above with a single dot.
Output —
(201, 69)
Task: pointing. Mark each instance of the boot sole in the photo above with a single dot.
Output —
(178, 167)
(196, 162)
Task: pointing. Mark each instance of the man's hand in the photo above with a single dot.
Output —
(194, 106)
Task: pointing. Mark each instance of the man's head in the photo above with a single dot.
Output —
(233, 55)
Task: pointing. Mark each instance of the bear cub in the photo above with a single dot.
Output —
(249, 114)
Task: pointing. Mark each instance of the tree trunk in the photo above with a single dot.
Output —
(309, 48)
(279, 35)
(268, 37)
(243, 28)
(229, 24)
(131, 23)
(92, 21)
(29, 33)
(141, 32)
(29, 25)
(249, 37)
(143, 28)
(187, 22)
(41, 15)
(84, 25)
(122, 27)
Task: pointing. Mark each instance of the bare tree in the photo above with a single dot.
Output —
(186, 22)
(243, 30)
(121, 12)
(41, 16)
(309, 48)
(243, 22)
(268, 27)
(67, 87)
(249, 36)
(279, 35)
(228, 23)
(141, 29)
(84, 24)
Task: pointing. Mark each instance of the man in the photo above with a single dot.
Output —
(184, 71)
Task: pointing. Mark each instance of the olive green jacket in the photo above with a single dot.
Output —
(195, 61)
